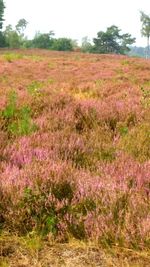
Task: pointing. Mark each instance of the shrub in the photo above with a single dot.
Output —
(62, 44)
(137, 142)
(10, 57)
(17, 121)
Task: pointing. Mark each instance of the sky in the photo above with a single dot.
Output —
(78, 18)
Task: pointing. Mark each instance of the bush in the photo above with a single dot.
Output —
(43, 40)
(62, 44)
(16, 121)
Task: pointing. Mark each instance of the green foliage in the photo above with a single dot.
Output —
(10, 57)
(21, 26)
(2, 39)
(112, 41)
(17, 121)
(15, 37)
(62, 191)
(2, 7)
(24, 125)
(35, 212)
(11, 108)
(13, 40)
(122, 128)
(62, 44)
(27, 43)
(86, 45)
(12, 37)
(145, 19)
(41, 214)
(34, 87)
(43, 40)
(44, 209)
(82, 208)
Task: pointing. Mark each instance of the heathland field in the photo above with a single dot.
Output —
(74, 159)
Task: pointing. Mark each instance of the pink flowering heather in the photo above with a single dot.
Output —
(74, 147)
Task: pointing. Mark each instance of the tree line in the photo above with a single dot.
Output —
(111, 41)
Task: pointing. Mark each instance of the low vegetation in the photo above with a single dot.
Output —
(75, 148)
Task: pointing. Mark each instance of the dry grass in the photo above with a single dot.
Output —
(33, 252)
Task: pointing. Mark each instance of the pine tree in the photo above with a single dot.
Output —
(112, 41)
(2, 7)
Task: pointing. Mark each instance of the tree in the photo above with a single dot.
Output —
(2, 7)
(21, 26)
(15, 38)
(62, 44)
(126, 40)
(43, 40)
(145, 19)
(106, 42)
(86, 45)
(112, 41)
(75, 46)
(11, 37)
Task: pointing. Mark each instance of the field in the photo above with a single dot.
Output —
(74, 159)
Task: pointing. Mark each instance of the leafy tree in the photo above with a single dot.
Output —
(106, 42)
(112, 41)
(145, 19)
(62, 44)
(2, 7)
(14, 38)
(11, 37)
(21, 26)
(27, 43)
(126, 40)
(86, 45)
(75, 46)
(43, 40)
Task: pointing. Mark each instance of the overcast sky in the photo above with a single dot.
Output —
(78, 18)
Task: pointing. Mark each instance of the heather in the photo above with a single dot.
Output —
(75, 147)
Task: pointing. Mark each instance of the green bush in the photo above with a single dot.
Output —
(17, 121)
(10, 57)
(62, 44)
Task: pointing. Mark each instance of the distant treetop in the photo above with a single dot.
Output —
(145, 30)
(112, 41)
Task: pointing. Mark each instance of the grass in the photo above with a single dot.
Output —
(11, 57)
(33, 251)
